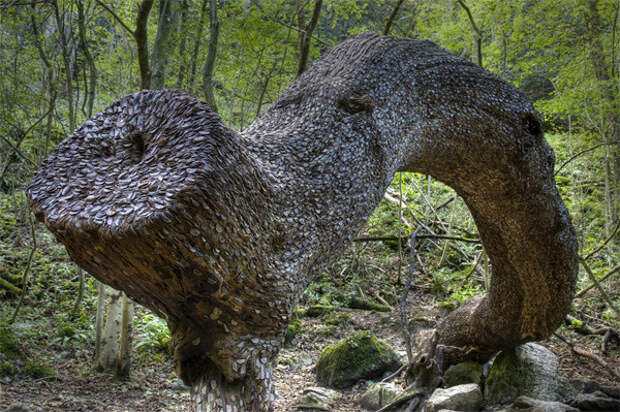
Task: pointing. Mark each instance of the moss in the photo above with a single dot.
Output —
(327, 330)
(501, 386)
(66, 331)
(37, 370)
(299, 313)
(337, 319)
(294, 328)
(365, 304)
(359, 356)
(9, 345)
(7, 369)
(315, 311)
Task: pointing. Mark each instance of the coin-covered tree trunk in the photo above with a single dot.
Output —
(220, 232)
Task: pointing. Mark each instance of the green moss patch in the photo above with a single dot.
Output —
(360, 356)
(315, 311)
(365, 304)
(294, 328)
(9, 345)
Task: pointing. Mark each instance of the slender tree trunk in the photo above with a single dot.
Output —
(207, 79)
(99, 319)
(140, 35)
(608, 87)
(182, 45)
(390, 21)
(92, 79)
(162, 46)
(477, 32)
(60, 23)
(197, 42)
(305, 32)
(110, 336)
(123, 359)
(265, 85)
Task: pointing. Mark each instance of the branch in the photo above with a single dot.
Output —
(388, 25)
(403, 299)
(573, 157)
(599, 287)
(118, 19)
(26, 269)
(16, 150)
(476, 29)
(384, 238)
(600, 280)
(588, 355)
(598, 249)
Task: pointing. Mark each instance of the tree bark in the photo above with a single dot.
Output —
(220, 232)
(207, 78)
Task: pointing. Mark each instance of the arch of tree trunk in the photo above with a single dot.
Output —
(220, 232)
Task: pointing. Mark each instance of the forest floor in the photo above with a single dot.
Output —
(154, 387)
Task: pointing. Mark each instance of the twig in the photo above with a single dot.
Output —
(473, 269)
(598, 249)
(403, 299)
(446, 203)
(570, 159)
(383, 238)
(400, 401)
(118, 19)
(589, 355)
(599, 287)
(394, 375)
(600, 280)
(26, 269)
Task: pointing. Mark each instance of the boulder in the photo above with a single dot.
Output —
(466, 397)
(529, 370)
(318, 399)
(462, 373)
(360, 356)
(523, 403)
(595, 401)
(379, 395)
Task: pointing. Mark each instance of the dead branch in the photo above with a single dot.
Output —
(599, 287)
(600, 280)
(589, 355)
(403, 299)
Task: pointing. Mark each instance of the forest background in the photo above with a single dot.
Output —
(62, 60)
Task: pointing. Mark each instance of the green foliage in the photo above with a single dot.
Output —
(7, 369)
(154, 335)
(9, 344)
(37, 370)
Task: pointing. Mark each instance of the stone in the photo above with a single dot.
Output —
(462, 373)
(595, 401)
(379, 395)
(536, 405)
(529, 370)
(317, 398)
(359, 356)
(466, 397)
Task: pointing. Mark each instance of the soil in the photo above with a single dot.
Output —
(153, 387)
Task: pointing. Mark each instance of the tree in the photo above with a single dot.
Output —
(305, 32)
(225, 244)
(207, 79)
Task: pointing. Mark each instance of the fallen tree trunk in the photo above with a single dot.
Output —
(220, 232)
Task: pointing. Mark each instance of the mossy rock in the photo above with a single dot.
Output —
(293, 329)
(360, 356)
(462, 373)
(327, 330)
(9, 344)
(315, 311)
(37, 370)
(365, 304)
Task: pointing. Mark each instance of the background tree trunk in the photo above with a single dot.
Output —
(162, 46)
(305, 32)
(207, 78)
